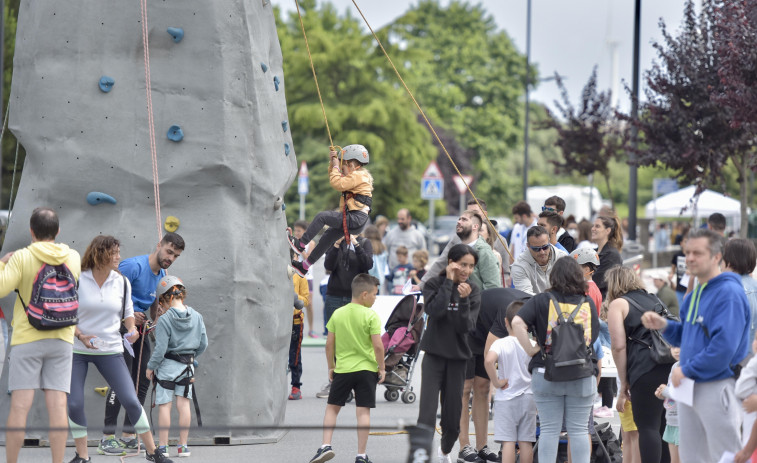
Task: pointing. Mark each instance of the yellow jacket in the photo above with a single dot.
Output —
(20, 272)
(303, 292)
(359, 182)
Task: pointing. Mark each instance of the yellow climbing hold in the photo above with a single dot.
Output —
(103, 391)
(172, 224)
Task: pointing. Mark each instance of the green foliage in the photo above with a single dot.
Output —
(8, 147)
(361, 107)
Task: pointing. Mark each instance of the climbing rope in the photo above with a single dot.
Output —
(150, 118)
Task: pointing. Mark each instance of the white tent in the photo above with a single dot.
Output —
(708, 202)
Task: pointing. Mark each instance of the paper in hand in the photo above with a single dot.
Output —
(684, 393)
(127, 345)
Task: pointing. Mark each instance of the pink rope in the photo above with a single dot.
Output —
(150, 119)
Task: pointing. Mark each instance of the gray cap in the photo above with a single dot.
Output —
(585, 255)
(356, 152)
(168, 282)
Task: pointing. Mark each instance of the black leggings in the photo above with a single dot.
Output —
(608, 387)
(445, 376)
(356, 221)
(649, 415)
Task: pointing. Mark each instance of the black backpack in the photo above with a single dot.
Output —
(570, 357)
(658, 347)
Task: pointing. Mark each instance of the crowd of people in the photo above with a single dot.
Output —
(73, 311)
(532, 321)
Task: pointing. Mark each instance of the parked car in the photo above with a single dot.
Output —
(444, 230)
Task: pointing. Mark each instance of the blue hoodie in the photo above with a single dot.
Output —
(720, 308)
(182, 332)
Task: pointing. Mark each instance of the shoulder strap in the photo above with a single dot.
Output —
(123, 301)
(553, 298)
(577, 309)
(633, 304)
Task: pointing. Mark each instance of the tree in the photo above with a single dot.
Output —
(469, 78)
(590, 136)
(362, 107)
(681, 126)
(735, 39)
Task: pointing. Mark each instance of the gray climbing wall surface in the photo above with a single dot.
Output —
(78, 106)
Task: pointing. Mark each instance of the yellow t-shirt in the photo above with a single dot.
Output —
(20, 272)
(353, 325)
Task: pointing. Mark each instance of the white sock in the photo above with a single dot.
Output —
(325, 445)
(362, 455)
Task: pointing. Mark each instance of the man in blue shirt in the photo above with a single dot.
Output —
(144, 272)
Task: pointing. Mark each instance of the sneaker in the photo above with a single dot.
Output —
(109, 446)
(312, 334)
(183, 451)
(78, 459)
(365, 459)
(323, 454)
(486, 454)
(468, 454)
(295, 243)
(324, 393)
(296, 394)
(604, 412)
(299, 268)
(130, 445)
(444, 458)
(160, 456)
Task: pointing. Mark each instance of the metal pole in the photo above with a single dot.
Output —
(633, 177)
(461, 204)
(525, 130)
(302, 207)
(654, 202)
(431, 218)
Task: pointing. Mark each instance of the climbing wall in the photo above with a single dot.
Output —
(224, 159)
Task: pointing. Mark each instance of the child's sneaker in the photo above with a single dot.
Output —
(324, 393)
(109, 446)
(159, 456)
(299, 268)
(130, 445)
(487, 455)
(296, 394)
(312, 334)
(294, 243)
(323, 454)
(468, 454)
(183, 451)
(78, 459)
(365, 459)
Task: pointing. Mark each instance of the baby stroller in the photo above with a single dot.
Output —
(404, 330)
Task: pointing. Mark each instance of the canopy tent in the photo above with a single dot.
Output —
(709, 202)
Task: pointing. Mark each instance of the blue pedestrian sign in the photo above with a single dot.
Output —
(303, 185)
(432, 188)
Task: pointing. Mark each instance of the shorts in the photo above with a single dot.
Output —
(44, 364)
(671, 435)
(362, 382)
(165, 396)
(475, 367)
(515, 419)
(626, 419)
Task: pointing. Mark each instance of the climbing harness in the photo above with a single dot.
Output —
(187, 381)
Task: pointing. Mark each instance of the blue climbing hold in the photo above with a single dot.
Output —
(95, 197)
(176, 32)
(106, 84)
(283, 206)
(264, 67)
(276, 82)
(286, 149)
(175, 133)
(285, 125)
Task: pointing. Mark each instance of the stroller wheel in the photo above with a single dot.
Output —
(408, 397)
(391, 394)
(350, 397)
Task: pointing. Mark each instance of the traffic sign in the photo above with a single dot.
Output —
(461, 188)
(432, 171)
(432, 188)
(303, 185)
(303, 169)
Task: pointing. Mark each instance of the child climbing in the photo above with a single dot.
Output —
(180, 337)
(356, 185)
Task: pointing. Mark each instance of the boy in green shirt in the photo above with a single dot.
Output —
(355, 355)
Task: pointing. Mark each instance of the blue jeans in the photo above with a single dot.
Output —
(571, 400)
(330, 304)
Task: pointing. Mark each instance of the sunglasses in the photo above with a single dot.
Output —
(548, 208)
(539, 248)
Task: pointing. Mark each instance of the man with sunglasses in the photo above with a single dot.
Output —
(531, 269)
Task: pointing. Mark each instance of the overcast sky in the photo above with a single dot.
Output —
(567, 36)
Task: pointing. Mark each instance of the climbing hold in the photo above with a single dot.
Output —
(106, 84)
(284, 125)
(276, 82)
(95, 197)
(264, 67)
(171, 224)
(278, 203)
(176, 32)
(175, 133)
(102, 390)
(283, 206)
(286, 149)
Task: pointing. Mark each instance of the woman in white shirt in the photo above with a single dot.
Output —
(104, 301)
